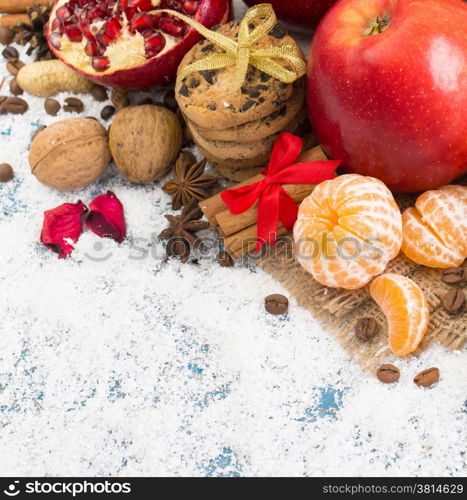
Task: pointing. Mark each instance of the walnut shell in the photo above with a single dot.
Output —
(144, 141)
(70, 154)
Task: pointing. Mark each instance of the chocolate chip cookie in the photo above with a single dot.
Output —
(292, 110)
(241, 150)
(203, 96)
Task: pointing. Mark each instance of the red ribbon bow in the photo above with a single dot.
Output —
(274, 204)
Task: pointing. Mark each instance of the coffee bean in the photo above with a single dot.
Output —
(366, 329)
(6, 172)
(453, 275)
(14, 105)
(15, 89)
(14, 65)
(99, 93)
(224, 259)
(73, 105)
(10, 53)
(388, 374)
(6, 35)
(107, 112)
(38, 131)
(427, 377)
(276, 304)
(453, 302)
(170, 101)
(51, 106)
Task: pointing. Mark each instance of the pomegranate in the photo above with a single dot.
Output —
(305, 12)
(120, 43)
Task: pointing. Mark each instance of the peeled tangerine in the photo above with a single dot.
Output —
(406, 310)
(347, 231)
(435, 230)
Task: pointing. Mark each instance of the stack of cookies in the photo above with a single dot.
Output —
(236, 132)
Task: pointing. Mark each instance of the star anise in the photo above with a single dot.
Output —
(33, 34)
(188, 183)
(180, 234)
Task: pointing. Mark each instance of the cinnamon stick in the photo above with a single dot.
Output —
(10, 20)
(16, 6)
(214, 205)
(245, 241)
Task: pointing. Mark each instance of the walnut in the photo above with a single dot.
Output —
(70, 154)
(144, 141)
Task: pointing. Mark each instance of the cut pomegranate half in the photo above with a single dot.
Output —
(121, 44)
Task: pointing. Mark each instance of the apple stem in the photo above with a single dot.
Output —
(378, 25)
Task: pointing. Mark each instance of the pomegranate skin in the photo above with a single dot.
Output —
(304, 12)
(392, 105)
(159, 70)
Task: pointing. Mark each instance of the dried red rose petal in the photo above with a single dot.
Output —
(61, 224)
(106, 217)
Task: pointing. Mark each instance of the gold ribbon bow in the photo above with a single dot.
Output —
(240, 54)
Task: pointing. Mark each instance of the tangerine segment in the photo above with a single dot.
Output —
(422, 245)
(445, 211)
(406, 310)
(435, 231)
(347, 231)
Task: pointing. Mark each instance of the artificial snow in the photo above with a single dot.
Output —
(117, 362)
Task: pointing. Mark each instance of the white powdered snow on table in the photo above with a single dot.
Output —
(138, 366)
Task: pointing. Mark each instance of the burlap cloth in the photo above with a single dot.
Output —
(338, 310)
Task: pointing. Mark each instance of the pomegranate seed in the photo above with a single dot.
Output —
(91, 48)
(141, 22)
(63, 13)
(191, 7)
(55, 40)
(174, 4)
(153, 44)
(100, 63)
(87, 32)
(101, 10)
(79, 12)
(105, 39)
(140, 4)
(112, 28)
(92, 15)
(172, 27)
(73, 33)
(131, 12)
(56, 24)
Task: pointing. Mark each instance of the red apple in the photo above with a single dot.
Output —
(387, 90)
(306, 12)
